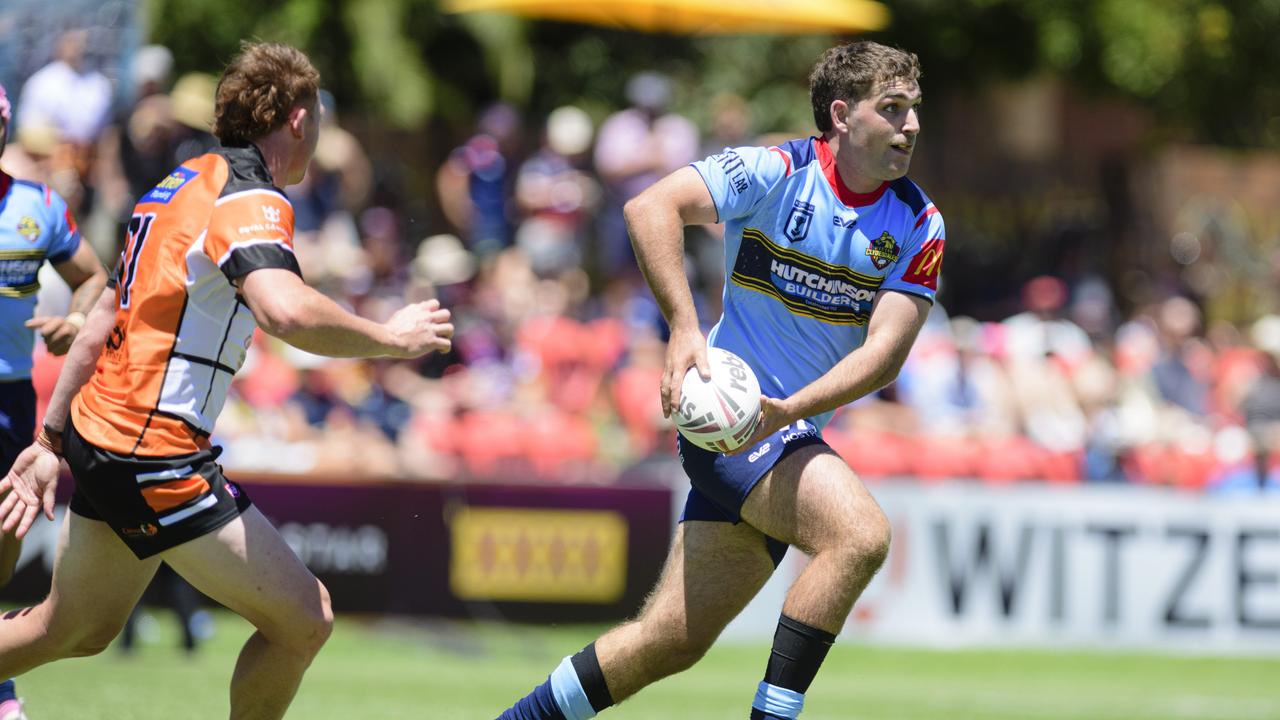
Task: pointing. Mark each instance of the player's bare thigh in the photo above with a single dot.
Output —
(812, 499)
(97, 581)
(247, 566)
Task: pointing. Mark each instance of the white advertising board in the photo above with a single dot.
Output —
(1038, 565)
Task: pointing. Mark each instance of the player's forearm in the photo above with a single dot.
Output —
(81, 359)
(657, 236)
(84, 296)
(321, 326)
(859, 374)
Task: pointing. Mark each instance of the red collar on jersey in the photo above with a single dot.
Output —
(850, 198)
(5, 183)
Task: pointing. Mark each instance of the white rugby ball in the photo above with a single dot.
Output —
(720, 414)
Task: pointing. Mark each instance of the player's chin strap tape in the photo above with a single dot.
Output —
(778, 701)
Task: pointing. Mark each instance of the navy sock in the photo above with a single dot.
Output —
(537, 705)
(7, 691)
(798, 652)
(575, 691)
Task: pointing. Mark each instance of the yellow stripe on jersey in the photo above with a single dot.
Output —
(812, 263)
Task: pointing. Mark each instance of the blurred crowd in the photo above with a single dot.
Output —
(559, 348)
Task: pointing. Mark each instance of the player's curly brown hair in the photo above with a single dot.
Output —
(259, 88)
(849, 72)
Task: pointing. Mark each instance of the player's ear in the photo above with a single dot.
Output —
(298, 121)
(839, 116)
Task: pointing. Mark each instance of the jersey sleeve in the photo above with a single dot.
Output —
(252, 230)
(64, 236)
(739, 178)
(920, 262)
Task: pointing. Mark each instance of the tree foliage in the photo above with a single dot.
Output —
(1207, 66)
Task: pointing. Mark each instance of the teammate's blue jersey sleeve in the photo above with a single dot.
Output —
(920, 262)
(64, 236)
(740, 178)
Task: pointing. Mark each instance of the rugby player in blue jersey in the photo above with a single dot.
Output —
(831, 260)
(35, 226)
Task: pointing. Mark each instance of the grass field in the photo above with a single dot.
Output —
(387, 670)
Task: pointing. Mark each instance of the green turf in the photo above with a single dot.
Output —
(387, 670)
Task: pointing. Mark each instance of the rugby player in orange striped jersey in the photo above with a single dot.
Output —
(208, 257)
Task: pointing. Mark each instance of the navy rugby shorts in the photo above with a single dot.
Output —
(722, 482)
(17, 420)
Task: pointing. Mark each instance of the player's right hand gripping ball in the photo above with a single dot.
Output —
(719, 415)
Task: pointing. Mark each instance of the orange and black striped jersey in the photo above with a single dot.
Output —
(182, 330)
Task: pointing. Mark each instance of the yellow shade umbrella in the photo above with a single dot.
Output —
(698, 17)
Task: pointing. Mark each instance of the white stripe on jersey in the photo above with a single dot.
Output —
(246, 193)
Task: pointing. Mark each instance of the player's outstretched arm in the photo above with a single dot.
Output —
(656, 220)
(285, 307)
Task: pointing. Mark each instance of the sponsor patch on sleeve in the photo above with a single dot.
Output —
(169, 186)
(926, 265)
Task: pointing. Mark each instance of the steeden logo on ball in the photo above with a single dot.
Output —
(721, 414)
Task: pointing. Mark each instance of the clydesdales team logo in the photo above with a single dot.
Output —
(799, 220)
(29, 228)
(883, 250)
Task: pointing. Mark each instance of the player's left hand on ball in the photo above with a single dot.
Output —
(56, 331)
(773, 415)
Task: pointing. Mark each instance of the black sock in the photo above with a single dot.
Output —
(587, 666)
(798, 652)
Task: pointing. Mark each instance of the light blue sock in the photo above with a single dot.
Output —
(568, 692)
(776, 702)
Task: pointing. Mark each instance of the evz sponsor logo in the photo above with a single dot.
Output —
(734, 169)
(837, 221)
(799, 220)
(764, 449)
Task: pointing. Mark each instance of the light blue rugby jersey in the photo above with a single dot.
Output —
(805, 258)
(35, 225)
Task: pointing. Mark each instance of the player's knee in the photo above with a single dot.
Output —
(67, 637)
(871, 542)
(307, 625)
(865, 546)
(318, 622)
(91, 641)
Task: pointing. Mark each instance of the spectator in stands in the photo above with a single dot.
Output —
(75, 99)
(475, 183)
(556, 196)
(1178, 320)
(68, 94)
(634, 148)
(1261, 405)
